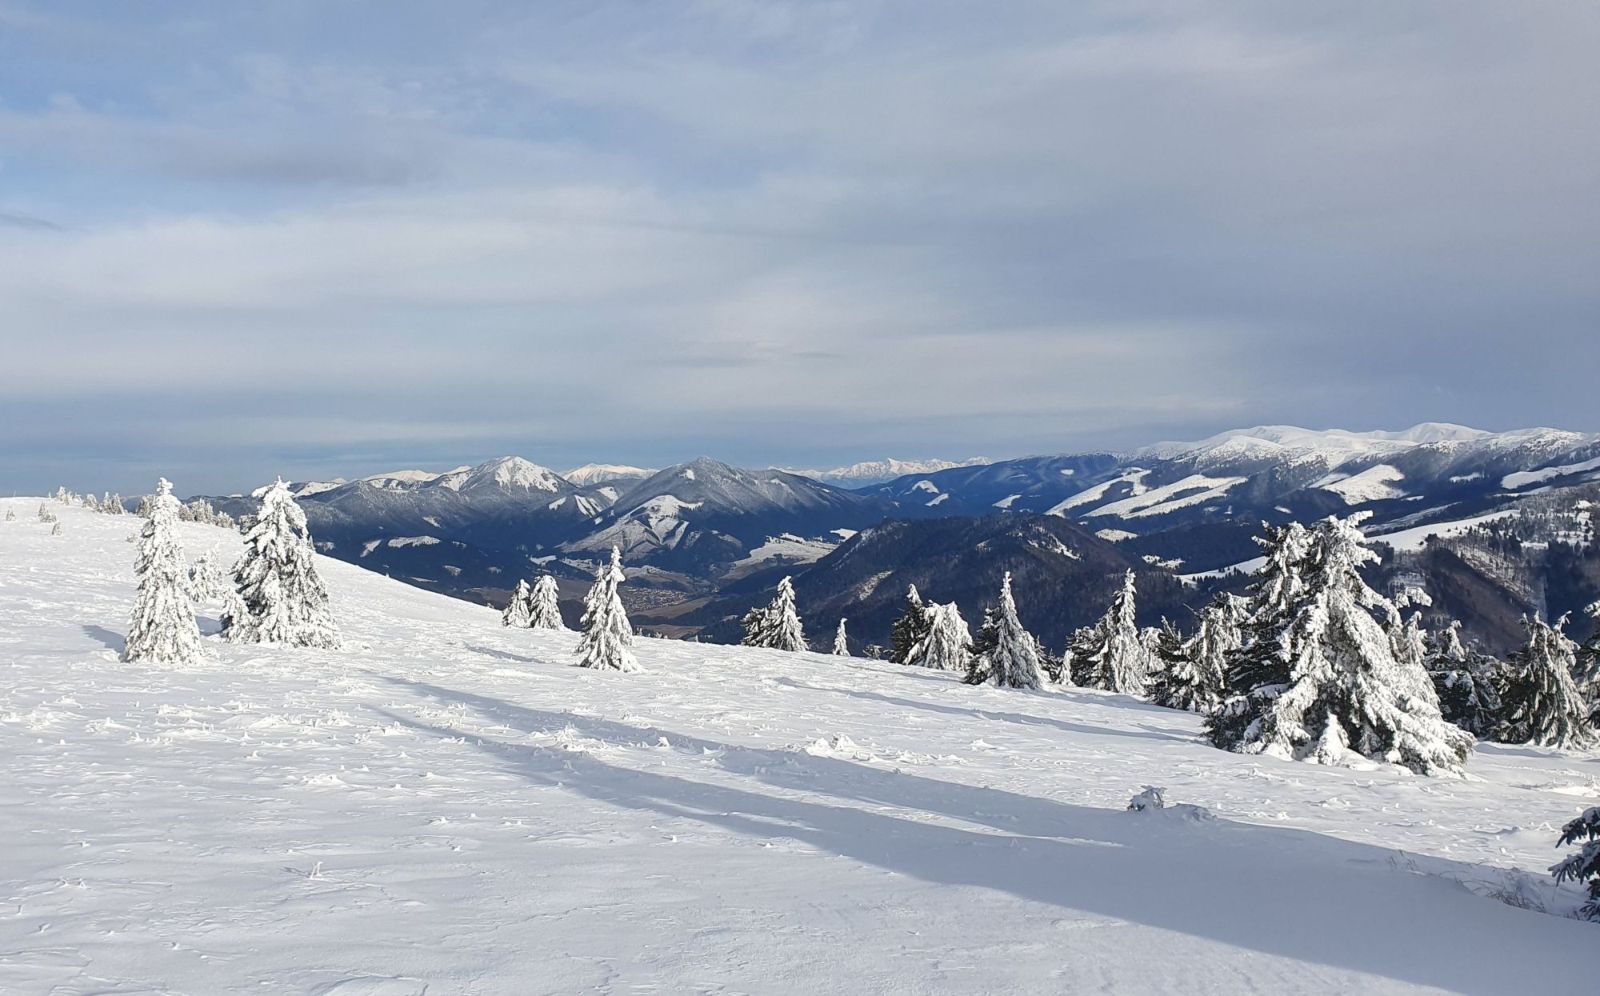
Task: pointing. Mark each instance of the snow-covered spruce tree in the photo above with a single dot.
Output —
(607, 640)
(281, 597)
(162, 629)
(1327, 681)
(1541, 704)
(1217, 637)
(910, 629)
(11, 516)
(1468, 683)
(983, 648)
(1177, 681)
(1013, 659)
(517, 614)
(207, 583)
(841, 641)
(112, 505)
(45, 515)
(776, 627)
(544, 605)
(948, 645)
(1585, 865)
(1115, 656)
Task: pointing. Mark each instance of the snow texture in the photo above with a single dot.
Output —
(446, 807)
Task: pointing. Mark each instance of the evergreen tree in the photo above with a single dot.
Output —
(207, 583)
(162, 629)
(281, 597)
(518, 614)
(1179, 682)
(983, 648)
(1326, 679)
(1541, 704)
(142, 510)
(841, 642)
(1585, 865)
(55, 530)
(1013, 660)
(1217, 638)
(1468, 684)
(948, 645)
(777, 626)
(112, 505)
(607, 640)
(1115, 656)
(910, 629)
(544, 607)
(11, 515)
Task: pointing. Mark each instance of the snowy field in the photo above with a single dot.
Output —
(444, 806)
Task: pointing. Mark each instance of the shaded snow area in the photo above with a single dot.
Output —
(1524, 478)
(788, 547)
(445, 806)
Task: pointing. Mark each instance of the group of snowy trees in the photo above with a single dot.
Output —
(534, 607)
(276, 595)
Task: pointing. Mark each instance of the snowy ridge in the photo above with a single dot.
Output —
(604, 473)
(372, 820)
(878, 471)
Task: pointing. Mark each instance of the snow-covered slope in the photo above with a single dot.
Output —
(446, 807)
(868, 472)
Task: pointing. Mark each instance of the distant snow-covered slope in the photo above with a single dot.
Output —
(446, 805)
(877, 471)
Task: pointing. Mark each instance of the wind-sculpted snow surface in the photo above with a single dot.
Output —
(446, 805)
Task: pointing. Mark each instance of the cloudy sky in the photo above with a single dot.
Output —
(327, 238)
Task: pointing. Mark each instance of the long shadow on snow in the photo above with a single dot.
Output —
(1289, 893)
(1008, 717)
(111, 638)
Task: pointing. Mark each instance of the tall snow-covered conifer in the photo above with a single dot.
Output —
(1585, 865)
(281, 597)
(841, 641)
(544, 607)
(1012, 659)
(1116, 655)
(1468, 683)
(607, 640)
(777, 626)
(1324, 676)
(1178, 681)
(910, 629)
(162, 629)
(518, 614)
(1541, 704)
(948, 645)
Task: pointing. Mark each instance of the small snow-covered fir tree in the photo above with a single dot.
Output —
(45, 515)
(112, 505)
(1012, 661)
(777, 626)
(1585, 865)
(1468, 683)
(162, 628)
(1326, 681)
(142, 509)
(1116, 654)
(517, 612)
(607, 640)
(281, 597)
(207, 583)
(55, 529)
(948, 645)
(1178, 682)
(544, 605)
(1541, 704)
(910, 629)
(983, 648)
(11, 516)
(841, 641)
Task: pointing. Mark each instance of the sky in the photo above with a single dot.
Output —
(323, 238)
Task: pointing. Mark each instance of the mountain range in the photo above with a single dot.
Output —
(703, 540)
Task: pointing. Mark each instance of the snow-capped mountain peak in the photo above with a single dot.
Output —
(505, 473)
(602, 473)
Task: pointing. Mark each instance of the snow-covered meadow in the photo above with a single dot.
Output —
(445, 806)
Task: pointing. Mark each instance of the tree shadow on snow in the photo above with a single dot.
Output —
(1290, 893)
(502, 655)
(112, 639)
(1065, 726)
